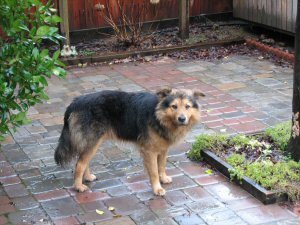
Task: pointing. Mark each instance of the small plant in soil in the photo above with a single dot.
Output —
(128, 30)
(260, 157)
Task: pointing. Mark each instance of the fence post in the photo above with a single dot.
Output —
(64, 25)
(184, 16)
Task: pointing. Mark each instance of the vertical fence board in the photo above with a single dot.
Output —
(284, 15)
(280, 14)
(289, 18)
(269, 12)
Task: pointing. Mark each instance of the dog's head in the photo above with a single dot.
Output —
(178, 107)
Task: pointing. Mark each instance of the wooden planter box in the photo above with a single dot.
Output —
(262, 194)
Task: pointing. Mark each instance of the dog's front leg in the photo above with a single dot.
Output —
(150, 162)
(162, 161)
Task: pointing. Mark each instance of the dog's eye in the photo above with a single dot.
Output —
(187, 106)
(174, 106)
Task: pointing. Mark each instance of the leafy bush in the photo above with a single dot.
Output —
(206, 141)
(24, 65)
(281, 134)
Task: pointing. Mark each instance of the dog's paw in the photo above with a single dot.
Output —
(90, 177)
(166, 179)
(159, 191)
(81, 188)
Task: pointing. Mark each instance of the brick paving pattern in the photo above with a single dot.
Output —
(243, 95)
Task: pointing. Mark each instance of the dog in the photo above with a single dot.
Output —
(152, 121)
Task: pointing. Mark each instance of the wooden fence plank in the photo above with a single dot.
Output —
(280, 14)
(284, 15)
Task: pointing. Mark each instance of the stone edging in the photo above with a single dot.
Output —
(123, 55)
(278, 52)
(265, 196)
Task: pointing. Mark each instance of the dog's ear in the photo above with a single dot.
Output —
(163, 92)
(198, 94)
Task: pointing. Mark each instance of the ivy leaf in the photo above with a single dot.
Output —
(43, 31)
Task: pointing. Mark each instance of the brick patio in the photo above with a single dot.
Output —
(243, 95)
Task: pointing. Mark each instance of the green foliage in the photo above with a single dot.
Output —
(281, 134)
(278, 175)
(281, 176)
(24, 65)
(206, 141)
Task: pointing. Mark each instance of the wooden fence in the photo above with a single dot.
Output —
(280, 14)
(83, 15)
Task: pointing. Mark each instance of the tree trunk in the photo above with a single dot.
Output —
(184, 18)
(294, 145)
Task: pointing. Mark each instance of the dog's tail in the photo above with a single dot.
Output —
(63, 153)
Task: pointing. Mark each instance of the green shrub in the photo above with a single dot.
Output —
(24, 65)
(281, 134)
(206, 141)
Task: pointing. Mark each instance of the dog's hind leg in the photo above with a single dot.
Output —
(162, 161)
(82, 166)
(150, 162)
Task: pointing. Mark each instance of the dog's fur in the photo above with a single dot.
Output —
(153, 122)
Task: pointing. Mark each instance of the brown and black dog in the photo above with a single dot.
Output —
(153, 122)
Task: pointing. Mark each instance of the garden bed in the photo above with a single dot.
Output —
(258, 163)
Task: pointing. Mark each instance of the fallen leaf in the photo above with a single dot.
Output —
(117, 216)
(100, 212)
(110, 208)
(209, 172)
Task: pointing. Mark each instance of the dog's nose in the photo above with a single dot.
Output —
(181, 119)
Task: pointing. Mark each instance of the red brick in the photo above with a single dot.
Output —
(226, 191)
(90, 197)
(92, 217)
(177, 198)
(246, 119)
(237, 104)
(228, 110)
(6, 208)
(124, 205)
(212, 125)
(10, 180)
(118, 221)
(66, 221)
(4, 200)
(6, 170)
(51, 195)
(248, 110)
(230, 121)
(214, 112)
(213, 101)
(244, 204)
(3, 220)
(139, 186)
(248, 127)
(16, 190)
(158, 204)
(179, 149)
(192, 169)
(211, 179)
(226, 98)
(196, 193)
(135, 178)
(210, 119)
(264, 214)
